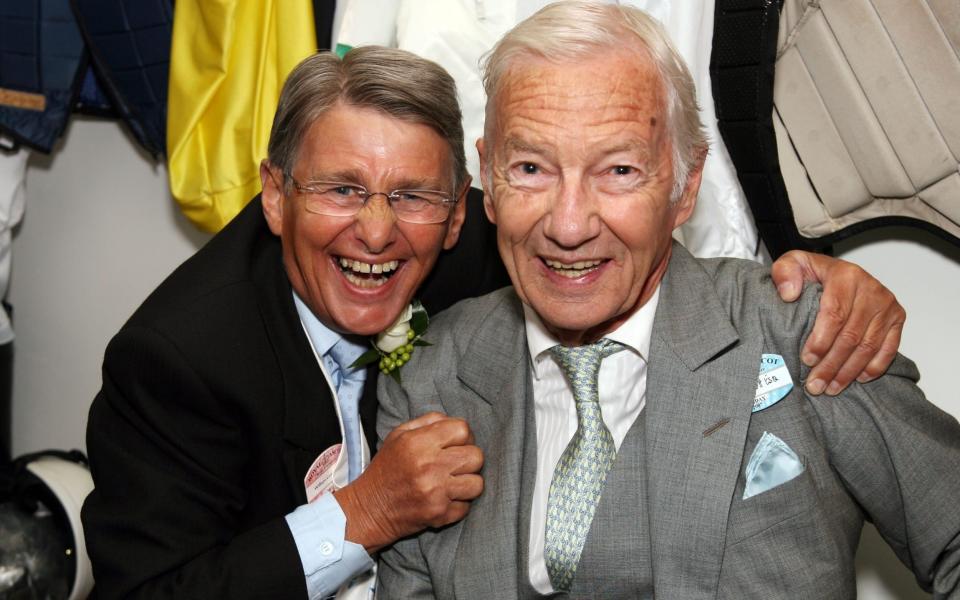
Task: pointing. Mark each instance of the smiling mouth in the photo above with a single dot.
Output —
(367, 275)
(575, 269)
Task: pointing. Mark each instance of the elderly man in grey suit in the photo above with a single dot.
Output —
(641, 411)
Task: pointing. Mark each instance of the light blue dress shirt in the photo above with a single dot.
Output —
(318, 528)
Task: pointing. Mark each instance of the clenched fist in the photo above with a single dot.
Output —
(424, 475)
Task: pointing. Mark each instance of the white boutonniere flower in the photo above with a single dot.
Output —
(396, 335)
(393, 346)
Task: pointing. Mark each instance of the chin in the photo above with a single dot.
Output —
(354, 320)
(568, 324)
(579, 320)
(371, 314)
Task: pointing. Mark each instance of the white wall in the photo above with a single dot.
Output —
(100, 232)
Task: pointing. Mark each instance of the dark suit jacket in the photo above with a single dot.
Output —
(212, 409)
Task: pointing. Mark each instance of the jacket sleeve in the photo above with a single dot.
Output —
(402, 570)
(168, 461)
(899, 456)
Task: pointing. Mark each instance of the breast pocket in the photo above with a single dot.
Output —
(768, 508)
(772, 534)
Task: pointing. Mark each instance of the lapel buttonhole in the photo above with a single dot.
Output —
(715, 427)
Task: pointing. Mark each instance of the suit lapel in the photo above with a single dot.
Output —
(528, 481)
(310, 423)
(368, 408)
(698, 410)
(495, 369)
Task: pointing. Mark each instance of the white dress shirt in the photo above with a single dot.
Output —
(622, 386)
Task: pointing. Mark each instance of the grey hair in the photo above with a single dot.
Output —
(395, 82)
(572, 29)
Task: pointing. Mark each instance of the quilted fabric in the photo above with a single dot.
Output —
(129, 43)
(841, 115)
(41, 60)
(867, 115)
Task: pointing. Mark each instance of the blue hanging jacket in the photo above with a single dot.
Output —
(41, 64)
(129, 45)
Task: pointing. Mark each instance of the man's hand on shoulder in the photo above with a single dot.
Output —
(857, 331)
(424, 475)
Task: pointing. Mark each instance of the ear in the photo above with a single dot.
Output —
(271, 179)
(458, 217)
(486, 168)
(688, 199)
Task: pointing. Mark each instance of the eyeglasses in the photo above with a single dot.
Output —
(335, 199)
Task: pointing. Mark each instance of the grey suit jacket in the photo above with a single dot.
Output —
(878, 451)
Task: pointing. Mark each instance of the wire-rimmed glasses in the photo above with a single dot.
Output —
(338, 199)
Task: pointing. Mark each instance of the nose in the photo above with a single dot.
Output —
(572, 218)
(376, 224)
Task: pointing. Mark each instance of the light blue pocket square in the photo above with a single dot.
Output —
(772, 463)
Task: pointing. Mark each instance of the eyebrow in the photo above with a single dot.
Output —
(347, 176)
(418, 184)
(517, 145)
(355, 177)
(639, 146)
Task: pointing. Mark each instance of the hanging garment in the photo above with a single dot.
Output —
(46, 71)
(91, 99)
(455, 33)
(41, 64)
(228, 62)
(13, 172)
(129, 45)
(323, 13)
(859, 128)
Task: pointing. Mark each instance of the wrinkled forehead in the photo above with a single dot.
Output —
(626, 49)
(600, 93)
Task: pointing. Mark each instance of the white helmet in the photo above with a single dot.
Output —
(70, 482)
(40, 519)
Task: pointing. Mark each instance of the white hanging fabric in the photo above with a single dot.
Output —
(13, 172)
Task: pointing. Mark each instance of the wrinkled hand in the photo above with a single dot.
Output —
(857, 331)
(423, 476)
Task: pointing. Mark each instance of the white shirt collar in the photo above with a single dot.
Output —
(322, 337)
(634, 333)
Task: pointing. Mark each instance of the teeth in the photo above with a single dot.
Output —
(573, 270)
(579, 265)
(361, 267)
(356, 272)
(364, 282)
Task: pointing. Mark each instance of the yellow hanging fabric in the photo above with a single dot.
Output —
(228, 62)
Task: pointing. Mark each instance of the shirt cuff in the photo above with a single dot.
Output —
(328, 559)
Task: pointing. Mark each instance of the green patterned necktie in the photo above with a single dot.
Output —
(582, 469)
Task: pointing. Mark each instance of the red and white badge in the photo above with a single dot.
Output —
(321, 475)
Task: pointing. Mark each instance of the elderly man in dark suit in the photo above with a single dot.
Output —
(229, 443)
(640, 411)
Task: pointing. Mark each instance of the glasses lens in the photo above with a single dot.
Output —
(420, 206)
(333, 199)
